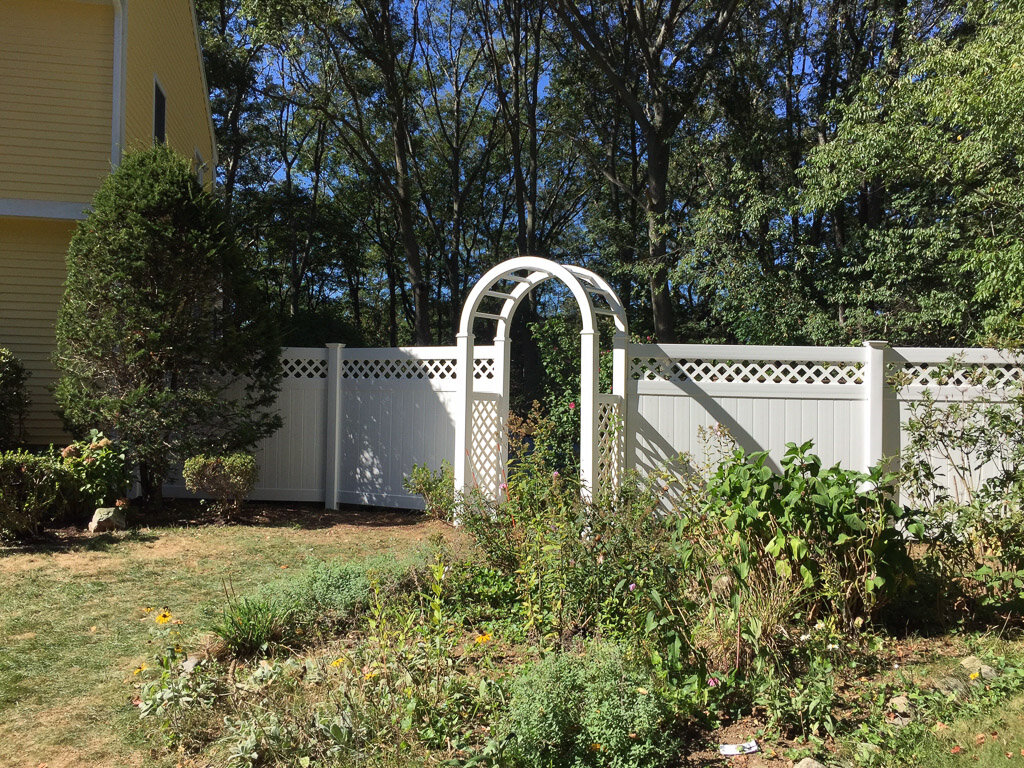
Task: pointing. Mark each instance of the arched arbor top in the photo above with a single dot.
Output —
(511, 281)
(481, 444)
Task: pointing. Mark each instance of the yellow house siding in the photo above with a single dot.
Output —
(32, 269)
(161, 44)
(56, 98)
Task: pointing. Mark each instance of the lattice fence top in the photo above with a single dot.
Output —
(412, 369)
(746, 371)
(405, 368)
(303, 368)
(483, 369)
(955, 374)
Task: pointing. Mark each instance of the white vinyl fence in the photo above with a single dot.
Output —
(356, 421)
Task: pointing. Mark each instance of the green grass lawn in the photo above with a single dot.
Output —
(73, 625)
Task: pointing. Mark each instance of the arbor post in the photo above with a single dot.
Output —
(588, 413)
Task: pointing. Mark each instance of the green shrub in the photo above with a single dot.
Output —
(964, 466)
(97, 475)
(436, 488)
(162, 336)
(32, 489)
(255, 625)
(228, 478)
(591, 709)
(836, 534)
(335, 591)
(14, 400)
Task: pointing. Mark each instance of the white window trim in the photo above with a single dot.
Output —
(43, 209)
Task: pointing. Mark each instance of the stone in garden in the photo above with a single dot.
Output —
(901, 711)
(951, 686)
(808, 762)
(107, 519)
(189, 664)
(975, 665)
(866, 749)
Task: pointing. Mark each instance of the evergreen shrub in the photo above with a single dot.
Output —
(14, 400)
(162, 336)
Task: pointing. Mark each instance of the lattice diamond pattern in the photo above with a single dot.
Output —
(298, 368)
(408, 368)
(485, 454)
(609, 445)
(991, 375)
(746, 371)
(483, 369)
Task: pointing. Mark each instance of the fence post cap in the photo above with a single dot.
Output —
(876, 344)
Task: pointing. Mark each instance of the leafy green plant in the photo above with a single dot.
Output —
(97, 471)
(838, 533)
(14, 400)
(595, 708)
(228, 478)
(436, 488)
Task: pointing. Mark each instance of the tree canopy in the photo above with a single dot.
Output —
(765, 172)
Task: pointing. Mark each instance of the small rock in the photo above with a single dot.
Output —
(901, 711)
(107, 519)
(808, 762)
(901, 706)
(975, 665)
(951, 686)
(189, 664)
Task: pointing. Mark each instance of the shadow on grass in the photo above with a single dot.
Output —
(75, 540)
(300, 516)
(145, 524)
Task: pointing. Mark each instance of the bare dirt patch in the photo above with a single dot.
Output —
(188, 532)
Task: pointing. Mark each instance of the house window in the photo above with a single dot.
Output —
(159, 115)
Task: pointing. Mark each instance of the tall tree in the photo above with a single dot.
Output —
(675, 44)
(161, 340)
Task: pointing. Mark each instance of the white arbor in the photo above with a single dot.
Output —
(481, 444)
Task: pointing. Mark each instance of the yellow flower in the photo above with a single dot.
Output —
(147, 610)
(370, 675)
(163, 617)
(484, 638)
(595, 747)
(337, 662)
(974, 675)
(139, 669)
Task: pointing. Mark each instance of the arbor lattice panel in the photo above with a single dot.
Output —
(487, 449)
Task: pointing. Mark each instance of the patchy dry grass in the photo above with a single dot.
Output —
(72, 628)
